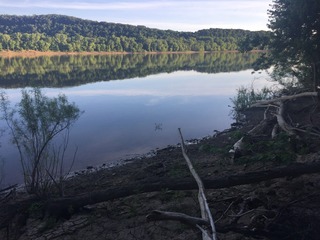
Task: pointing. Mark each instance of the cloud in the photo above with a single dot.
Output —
(181, 15)
(135, 5)
(85, 5)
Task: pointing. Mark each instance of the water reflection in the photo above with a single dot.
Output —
(62, 71)
(124, 118)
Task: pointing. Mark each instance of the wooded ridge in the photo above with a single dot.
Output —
(64, 33)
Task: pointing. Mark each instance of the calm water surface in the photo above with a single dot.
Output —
(130, 116)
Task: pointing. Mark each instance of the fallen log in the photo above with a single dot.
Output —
(293, 170)
(61, 206)
(266, 103)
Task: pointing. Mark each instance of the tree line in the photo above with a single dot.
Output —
(64, 33)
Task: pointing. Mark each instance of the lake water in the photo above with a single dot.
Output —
(132, 103)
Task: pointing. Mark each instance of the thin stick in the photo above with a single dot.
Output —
(205, 211)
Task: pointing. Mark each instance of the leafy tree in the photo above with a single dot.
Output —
(295, 46)
(63, 33)
(6, 40)
(34, 125)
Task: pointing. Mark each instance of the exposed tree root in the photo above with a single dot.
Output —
(277, 114)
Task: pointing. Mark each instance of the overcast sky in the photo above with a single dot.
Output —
(180, 15)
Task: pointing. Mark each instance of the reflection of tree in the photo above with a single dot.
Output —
(1, 170)
(61, 71)
(1, 163)
(158, 127)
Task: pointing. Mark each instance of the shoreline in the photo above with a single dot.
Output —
(120, 198)
(34, 53)
(117, 163)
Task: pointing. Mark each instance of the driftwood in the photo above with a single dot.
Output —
(61, 206)
(157, 215)
(8, 188)
(282, 122)
(266, 103)
(204, 207)
(279, 104)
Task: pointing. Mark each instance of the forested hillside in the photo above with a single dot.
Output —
(64, 33)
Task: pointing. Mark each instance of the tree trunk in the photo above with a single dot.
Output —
(61, 206)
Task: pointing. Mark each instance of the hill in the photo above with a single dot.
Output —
(65, 33)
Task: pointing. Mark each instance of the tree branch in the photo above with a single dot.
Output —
(158, 215)
(205, 211)
(265, 103)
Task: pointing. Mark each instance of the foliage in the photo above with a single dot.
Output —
(247, 96)
(208, 148)
(63, 33)
(35, 124)
(261, 40)
(295, 40)
(36, 210)
(280, 150)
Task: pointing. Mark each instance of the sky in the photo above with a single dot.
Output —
(178, 15)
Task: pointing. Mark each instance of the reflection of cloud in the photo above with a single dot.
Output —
(181, 83)
(154, 101)
(144, 92)
(177, 84)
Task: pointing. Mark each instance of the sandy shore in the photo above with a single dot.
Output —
(33, 53)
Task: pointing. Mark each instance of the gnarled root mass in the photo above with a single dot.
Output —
(298, 116)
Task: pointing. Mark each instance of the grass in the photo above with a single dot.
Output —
(280, 150)
(245, 97)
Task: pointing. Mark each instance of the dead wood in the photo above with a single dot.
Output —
(280, 104)
(266, 103)
(8, 188)
(282, 122)
(158, 215)
(204, 207)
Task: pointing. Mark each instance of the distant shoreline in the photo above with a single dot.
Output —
(33, 53)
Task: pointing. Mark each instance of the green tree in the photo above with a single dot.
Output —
(295, 46)
(5, 38)
(43, 46)
(34, 125)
